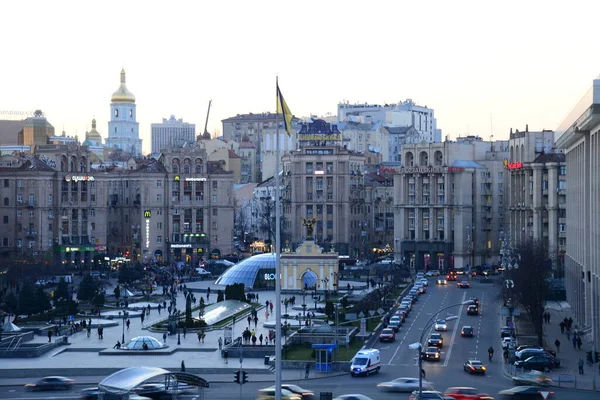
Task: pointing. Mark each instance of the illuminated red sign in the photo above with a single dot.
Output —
(513, 165)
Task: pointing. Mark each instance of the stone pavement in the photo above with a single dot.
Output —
(83, 352)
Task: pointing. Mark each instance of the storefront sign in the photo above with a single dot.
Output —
(423, 170)
(77, 178)
(147, 214)
(147, 232)
(512, 165)
(100, 248)
(181, 245)
(69, 249)
(176, 178)
(195, 179)
(321, 152)
(269, 277)
(456, 169)
(336, 137)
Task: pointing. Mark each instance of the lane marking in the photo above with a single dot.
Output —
(447, 359)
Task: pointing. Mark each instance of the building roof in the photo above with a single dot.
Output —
(232, 154)
(216, 167)
(122, 95)
(246, 143)
(251, 117)
(550, 157)
(398, 130)
(150, 165)
(467, 164)
(93, 134)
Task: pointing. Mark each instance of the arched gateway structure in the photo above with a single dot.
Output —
(123, 383)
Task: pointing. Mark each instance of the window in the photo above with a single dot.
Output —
(130, 113)
(93, 198)
(309, 168)
(215, 226)
(50, 227)
(6, 183)
(159, 226)
(19, 183)
(562, 185)
(214, 198)
(159, 239)
(31, 214)
(215, 238)
(159, 197)
(329, 167)
(159, 212)
(215, 211)
(214, 184)
(329, 209)
(19, 213)
(116, 115)
(562, 228)
(5, 242)
(19, 243)
(93, 225)
(563, 170)
(158, 183)
(50, 199)
(5, 219)
(6, 201)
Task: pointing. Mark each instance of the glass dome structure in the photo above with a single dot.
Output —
(255, 272)
(309, 280)
(137, 343)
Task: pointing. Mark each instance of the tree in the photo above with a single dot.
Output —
(188, 308)
(62, 290)
(42, 300)
(87, 289)
(98, 299)
(11, 303)
(27, 301)
(531, 284)
(220, 297)
(329, 309)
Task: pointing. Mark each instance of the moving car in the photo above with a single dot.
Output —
(365, 362)
(431, 354)
(51, 383)
(475, 301)
(352, 397)
(472, 310)
(532, 378)
(387, 335)
(466, 393)
(435, 339)
(451, 277)
(426, 394)
(440, 325)
(542, 362)
(304, 394)
(474, 367)
(463, 284)
(467, 331)
(441, 280)
(269, 394)
(524, 392)
(433, 272)
(404, 385)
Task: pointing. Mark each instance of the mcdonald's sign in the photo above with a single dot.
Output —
(147, 214)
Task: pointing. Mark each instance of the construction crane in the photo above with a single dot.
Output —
(206, 135)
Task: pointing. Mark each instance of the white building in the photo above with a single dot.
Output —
(405, 113)
(172, 133)
(123, 129)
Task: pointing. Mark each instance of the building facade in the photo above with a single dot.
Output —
(323, 180)
(36, 131)
(537, 190)
(579, 136)
(171, 133)
(123, 128)
(449, 206)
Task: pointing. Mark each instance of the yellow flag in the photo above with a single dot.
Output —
(282, 108)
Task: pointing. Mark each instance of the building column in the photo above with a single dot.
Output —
(284, 267)
(296, 277)
(553, 206)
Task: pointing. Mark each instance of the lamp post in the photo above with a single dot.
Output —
(510, 261)
(125, 315)
(417, 346)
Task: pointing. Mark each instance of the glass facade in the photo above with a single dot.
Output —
(309, 280)
(256, 272)
(137, 343)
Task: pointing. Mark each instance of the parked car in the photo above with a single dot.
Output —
(426, 395)
(51, 383)
(440, 325)
(466, 393)
(533, 351)
(474, 367)
(387, 335)
(505, 332)
(424, 282)
(404, 385)
(542, 362)
(524, 392)
(467, 331)
(472, 310)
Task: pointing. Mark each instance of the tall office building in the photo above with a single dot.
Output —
(173, 133)
(123, 129)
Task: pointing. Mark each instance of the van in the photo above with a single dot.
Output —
(365, 362)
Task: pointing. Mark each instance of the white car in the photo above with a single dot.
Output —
(433, 272)
(404, 385)
(441, 280)
(440, 325)
(507, 342)
(203, 272)
(424, 282)
(352, 397)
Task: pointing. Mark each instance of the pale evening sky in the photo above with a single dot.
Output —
(520, 62)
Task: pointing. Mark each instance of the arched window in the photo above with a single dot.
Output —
(116, 112)
(309, 280)
(423, 159)
(175, 168)
(198, 168)
(410, 159)
(186, 169)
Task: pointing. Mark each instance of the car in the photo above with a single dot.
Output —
(421, 289)
(90, 393)
(463, 284)
(402, 314)
(269, 394)
(441, 280)
(474, 367)
(533, 351)
(426, 395)
(407, 304)
(394, 325)
(404, 385)
(540, 363)
(433, 272)
(202, 272)
(466, 393)
(431, 353)
(467, 331)
(505, 332)
(51, 383)
(525, 392)
(435, 339)
(413, 293)
(387, 335)
(472, 310)
(440, 325)
(352, 397)
(424, 282)
(451, 277)
(507, 342)
(475, 301)
(532, 378)
(305, 393)
(420, 275)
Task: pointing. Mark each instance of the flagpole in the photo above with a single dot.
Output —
(278, 363)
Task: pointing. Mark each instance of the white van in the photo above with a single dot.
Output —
(365, 362)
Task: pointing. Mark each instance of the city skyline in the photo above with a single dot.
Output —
(482, 76)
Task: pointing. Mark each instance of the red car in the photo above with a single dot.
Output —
(466, 393)
(463, 285)
(387, 335)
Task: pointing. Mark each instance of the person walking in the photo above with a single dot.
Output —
(557, 344)
(249, 319)
(165, 337)
(306, 370)
(260, 339)
(562, 326)
(184, 331)
(574, 341)
(220, 343)
(580, 365)
(128, 323)
(271, 306)
(199, 336)
(568, 334)
(253, 340)
(579, 342)
(255, 321)
(182, 366)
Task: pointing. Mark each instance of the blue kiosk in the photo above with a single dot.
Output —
(324, 357)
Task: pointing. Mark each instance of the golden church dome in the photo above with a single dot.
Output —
(122, 95)
(93, 134)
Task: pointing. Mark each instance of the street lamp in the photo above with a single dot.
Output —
(417, 346)
(125, 315)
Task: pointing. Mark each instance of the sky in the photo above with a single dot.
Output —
(483, 66)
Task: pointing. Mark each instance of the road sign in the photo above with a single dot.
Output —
(371, 312)
(361, 314)
(544, 394)
(380, 311)
(363, 326)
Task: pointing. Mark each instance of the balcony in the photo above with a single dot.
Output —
(30, 204)
(30, 233)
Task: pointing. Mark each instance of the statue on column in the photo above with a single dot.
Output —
(309, 224)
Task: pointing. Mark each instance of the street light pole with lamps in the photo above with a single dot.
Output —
(417, 346)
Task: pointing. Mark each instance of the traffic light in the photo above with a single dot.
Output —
(236, 374)
(244, 377)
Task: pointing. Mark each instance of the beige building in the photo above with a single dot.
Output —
(37, 131)
(309, 267)
(537, 190)
(449, 206)
(323, 180)
(579, 136)
(229, 160)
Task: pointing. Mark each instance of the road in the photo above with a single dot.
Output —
(397, 359)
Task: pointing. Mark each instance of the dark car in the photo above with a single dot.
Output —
(51, 383)
(435, 339)
(541, 362)
(463, 284)
(387, 335)
(431, 354)
(467, 331)
(305, 393)
(505, 332)
(92, 394)
(524, 392)
(474, 367)
(475, 301)
(472, 310)
(451, 277)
